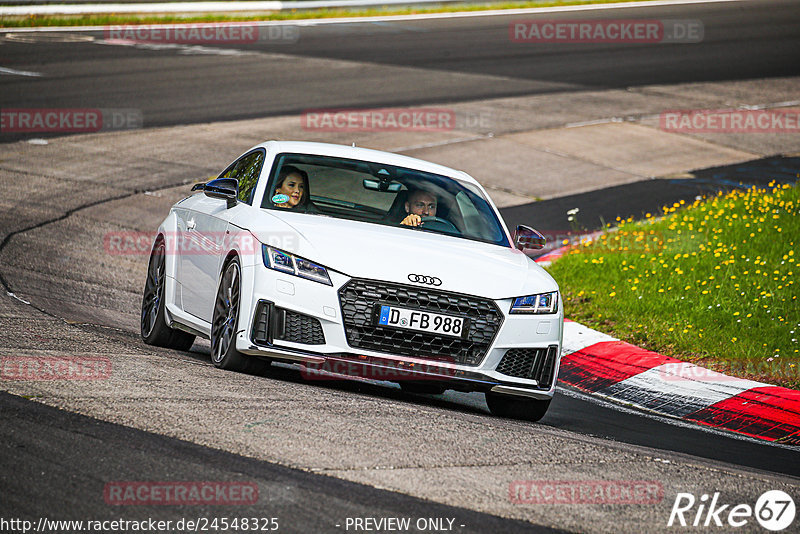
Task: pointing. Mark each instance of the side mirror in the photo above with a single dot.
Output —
(527, 237)
(223, 188)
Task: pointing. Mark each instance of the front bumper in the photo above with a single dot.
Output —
(328, 330)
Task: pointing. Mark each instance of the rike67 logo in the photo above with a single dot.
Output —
(774, 510)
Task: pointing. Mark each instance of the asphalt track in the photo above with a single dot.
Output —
(34, 474)
(62, 450)
(639, 198)
(403, 63)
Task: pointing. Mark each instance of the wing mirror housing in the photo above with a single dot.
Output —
(226, 189)
(527, 237)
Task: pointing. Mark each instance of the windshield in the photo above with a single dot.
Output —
(381, 194)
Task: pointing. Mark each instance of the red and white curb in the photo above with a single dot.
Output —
(605, 366)
(600, 364)
(546, 259)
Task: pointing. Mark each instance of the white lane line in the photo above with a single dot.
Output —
(13, 72)
(14, 296)
(593, 122)
(786, 104)
(442, 143)
(188, 50)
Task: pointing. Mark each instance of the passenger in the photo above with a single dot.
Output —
(420, 204)
(293, 184)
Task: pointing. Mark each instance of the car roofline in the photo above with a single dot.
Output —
(366, 154)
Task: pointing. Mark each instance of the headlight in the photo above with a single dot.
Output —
(541, 303)
(285, 262)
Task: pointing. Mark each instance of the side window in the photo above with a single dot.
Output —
(246, 171)
(230, 172)
(475, 223)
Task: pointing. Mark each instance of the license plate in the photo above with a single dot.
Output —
(422, 321)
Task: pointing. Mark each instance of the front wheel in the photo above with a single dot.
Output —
(524, 408)
(153, 325)
(225, 322)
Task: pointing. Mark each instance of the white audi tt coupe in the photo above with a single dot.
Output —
(361, 263)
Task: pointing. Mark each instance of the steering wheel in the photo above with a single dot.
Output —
(439, 224)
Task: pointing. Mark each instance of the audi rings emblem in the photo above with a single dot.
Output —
(422, 279)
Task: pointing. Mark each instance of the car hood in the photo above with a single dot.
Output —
(378, 252)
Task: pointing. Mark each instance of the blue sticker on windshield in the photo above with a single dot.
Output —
(280, 199)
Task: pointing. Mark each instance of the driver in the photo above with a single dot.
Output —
(420, 204)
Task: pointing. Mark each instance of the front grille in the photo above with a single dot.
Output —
(535, 364)
(359, 299)
(286, 325)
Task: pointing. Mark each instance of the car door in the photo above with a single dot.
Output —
(205, 239)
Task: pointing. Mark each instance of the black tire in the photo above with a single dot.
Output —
(422, 388)
(526, 409)
(225, 322)
(153, 325)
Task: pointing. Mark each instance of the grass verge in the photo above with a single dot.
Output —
(33, 21)
(712, 282)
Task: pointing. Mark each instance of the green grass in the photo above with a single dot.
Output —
(712, 282)
(128, 18)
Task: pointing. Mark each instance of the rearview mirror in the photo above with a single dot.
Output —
(380, 185)
(527, 237)
(223, 188)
